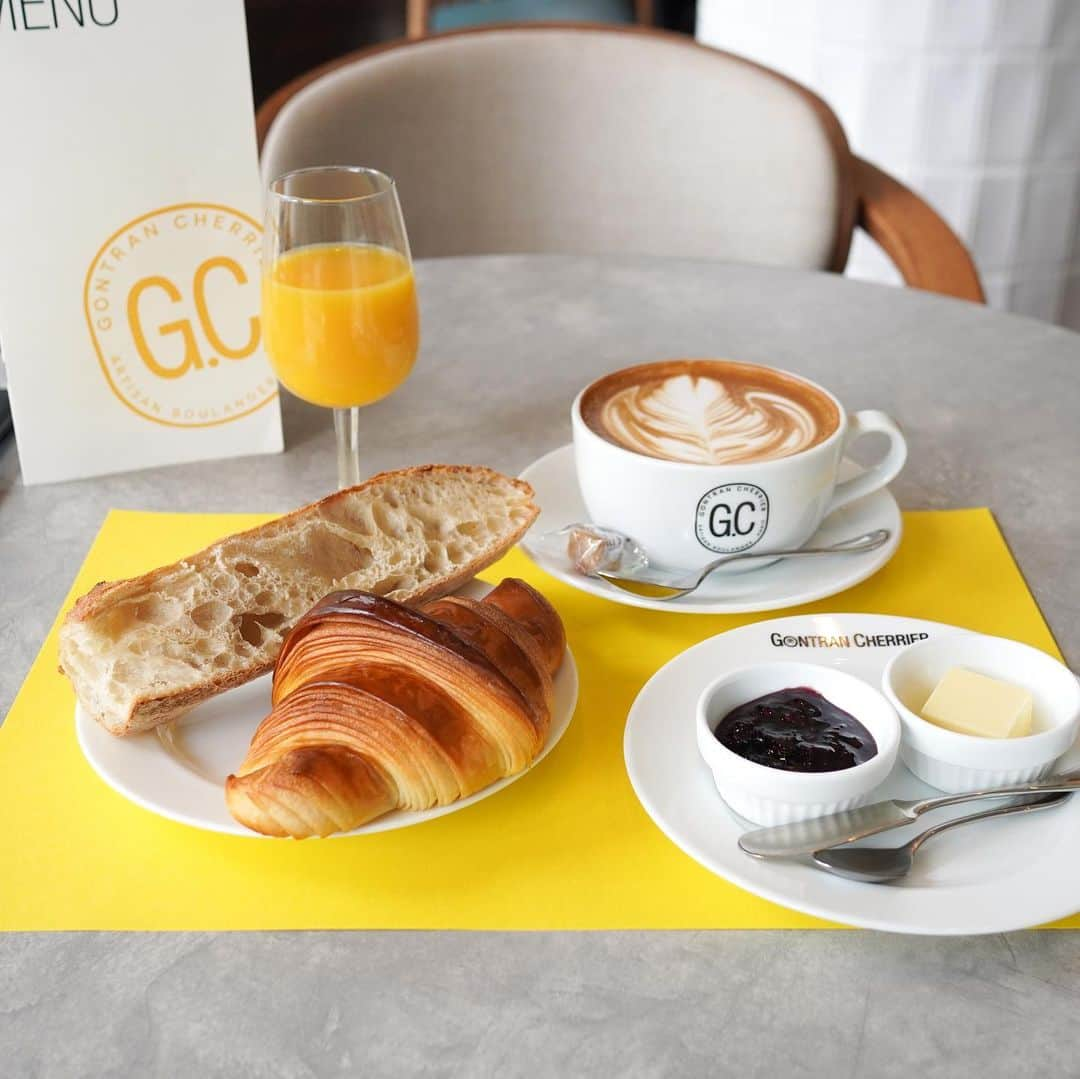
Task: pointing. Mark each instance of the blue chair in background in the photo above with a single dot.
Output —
(425, 17)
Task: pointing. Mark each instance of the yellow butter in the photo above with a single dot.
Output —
(971, 703)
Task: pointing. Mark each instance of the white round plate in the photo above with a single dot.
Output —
(782, 584)
(991, 877)
(179, 771)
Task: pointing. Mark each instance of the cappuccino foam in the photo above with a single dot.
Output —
(709, 412)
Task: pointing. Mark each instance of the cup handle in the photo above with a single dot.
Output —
(886, 470)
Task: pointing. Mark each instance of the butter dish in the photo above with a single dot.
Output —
(957, 762)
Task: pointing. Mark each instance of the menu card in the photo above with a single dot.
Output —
(130, 236)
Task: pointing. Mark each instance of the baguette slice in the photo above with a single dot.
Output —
(143, 651)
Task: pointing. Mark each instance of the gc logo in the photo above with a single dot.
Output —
(192, 358)
(732, 518)
(171, 302)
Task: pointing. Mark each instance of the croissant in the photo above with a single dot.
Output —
(376, 706)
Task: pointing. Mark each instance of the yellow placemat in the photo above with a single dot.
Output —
(567, 847)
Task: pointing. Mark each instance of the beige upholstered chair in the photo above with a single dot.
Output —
(589, 139)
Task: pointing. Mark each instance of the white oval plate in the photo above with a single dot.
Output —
(783, 584)
(179, 771)
(991, 877)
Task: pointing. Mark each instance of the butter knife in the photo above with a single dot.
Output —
(820, 833)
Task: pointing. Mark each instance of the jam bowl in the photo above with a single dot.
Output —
(955, 762)
(776, 793)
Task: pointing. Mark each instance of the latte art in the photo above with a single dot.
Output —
(702, 420)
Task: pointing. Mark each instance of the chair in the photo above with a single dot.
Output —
(594, 139)
(423, 17)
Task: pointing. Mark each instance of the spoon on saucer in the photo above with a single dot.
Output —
(879, 865)
(663, 584)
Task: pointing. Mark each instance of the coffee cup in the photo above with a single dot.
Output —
(700, 458)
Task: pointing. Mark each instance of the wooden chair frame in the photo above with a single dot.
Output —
(926, 251)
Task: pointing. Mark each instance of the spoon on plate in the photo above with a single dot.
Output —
(664, 584)
(880, 865)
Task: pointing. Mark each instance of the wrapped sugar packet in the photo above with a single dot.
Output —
(588, 548)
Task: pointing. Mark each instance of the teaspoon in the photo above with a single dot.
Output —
(662, 584)
(879, 865)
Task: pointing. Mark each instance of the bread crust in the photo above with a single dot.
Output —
(149, 710)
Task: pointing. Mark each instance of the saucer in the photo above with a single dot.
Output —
(991, 877)
(785, 583)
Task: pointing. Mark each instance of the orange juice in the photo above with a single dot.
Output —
(340, 322)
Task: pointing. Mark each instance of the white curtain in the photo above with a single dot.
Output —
(973, 103)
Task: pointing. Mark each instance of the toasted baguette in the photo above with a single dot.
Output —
(143, 651)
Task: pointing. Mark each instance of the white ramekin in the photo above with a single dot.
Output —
(770, 796)
(964, 762)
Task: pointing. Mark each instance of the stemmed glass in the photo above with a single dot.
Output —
(339, 314)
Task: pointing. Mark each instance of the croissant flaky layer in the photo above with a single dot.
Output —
(377, 706)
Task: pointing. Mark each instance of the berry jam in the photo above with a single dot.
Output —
(796, 730)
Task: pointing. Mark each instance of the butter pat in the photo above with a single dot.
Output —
(971, 703)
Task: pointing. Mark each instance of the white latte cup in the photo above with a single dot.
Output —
(686, 513)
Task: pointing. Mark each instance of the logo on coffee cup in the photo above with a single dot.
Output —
(172, 305)
(732, 518)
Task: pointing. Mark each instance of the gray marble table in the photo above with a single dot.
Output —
(990, 405)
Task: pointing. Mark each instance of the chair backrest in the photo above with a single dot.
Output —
(424, 17)
(580, 140)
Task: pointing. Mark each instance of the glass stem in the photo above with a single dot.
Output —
(347, 428)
